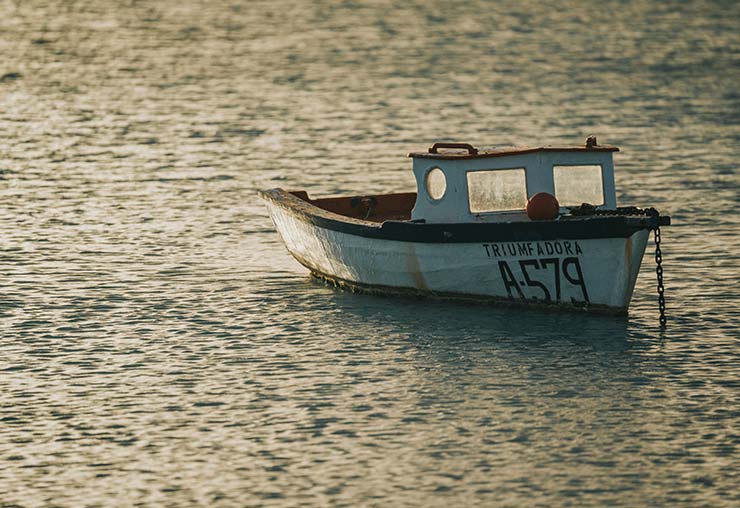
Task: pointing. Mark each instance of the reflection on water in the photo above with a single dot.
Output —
(160, 347)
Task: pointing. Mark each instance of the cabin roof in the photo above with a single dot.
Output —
(459, 151)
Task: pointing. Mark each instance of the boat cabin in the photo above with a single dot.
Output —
(458, 183)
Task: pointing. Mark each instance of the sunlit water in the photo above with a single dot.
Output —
(160, 347)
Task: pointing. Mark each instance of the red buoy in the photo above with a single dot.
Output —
(543, 206)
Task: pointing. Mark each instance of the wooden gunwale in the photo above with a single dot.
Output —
(590, 227)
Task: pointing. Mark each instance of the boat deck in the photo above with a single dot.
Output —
(374, 208)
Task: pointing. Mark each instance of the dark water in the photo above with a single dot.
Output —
(160, 347)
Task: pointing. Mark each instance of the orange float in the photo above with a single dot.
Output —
(543, 206)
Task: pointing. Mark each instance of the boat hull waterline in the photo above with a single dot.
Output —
(560, 266)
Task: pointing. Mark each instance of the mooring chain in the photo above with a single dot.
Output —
(587, 209)
(652, 212)
(659, 273)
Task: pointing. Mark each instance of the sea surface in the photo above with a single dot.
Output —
(159, 347)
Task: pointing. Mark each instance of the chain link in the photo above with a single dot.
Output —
(587, 209)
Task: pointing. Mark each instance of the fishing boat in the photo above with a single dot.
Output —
(530, 226)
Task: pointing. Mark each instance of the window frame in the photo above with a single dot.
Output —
(507, 210)
(601, 175)
(429, 196)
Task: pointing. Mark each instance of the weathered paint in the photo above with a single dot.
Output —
(474, 153)
(592, 274)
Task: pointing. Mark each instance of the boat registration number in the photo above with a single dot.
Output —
(547, 276)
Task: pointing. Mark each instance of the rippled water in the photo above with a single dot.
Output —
(160, 347)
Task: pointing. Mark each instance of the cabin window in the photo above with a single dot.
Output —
(575, 185)
(497, 190)
(436, 183)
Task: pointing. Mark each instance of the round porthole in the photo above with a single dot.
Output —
(436, 183)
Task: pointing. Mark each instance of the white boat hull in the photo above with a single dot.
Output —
(595, 274)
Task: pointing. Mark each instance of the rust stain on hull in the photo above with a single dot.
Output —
(412, 265)
(631, 267)
(628, 257)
